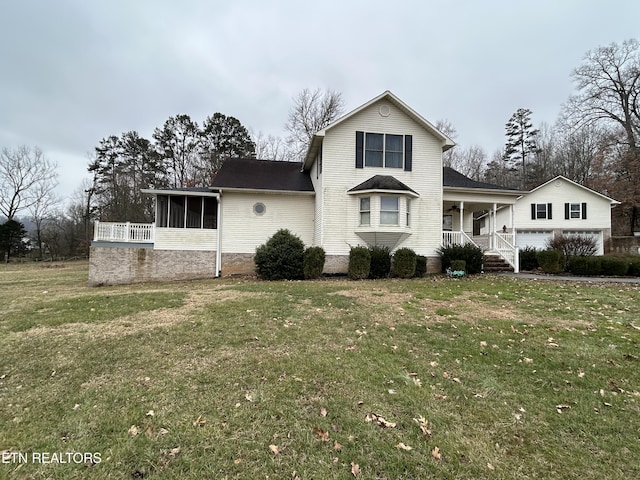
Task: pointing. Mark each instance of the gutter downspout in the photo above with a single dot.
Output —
(219, 238)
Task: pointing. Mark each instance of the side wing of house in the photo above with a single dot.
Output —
(377, 173)
(562, 207)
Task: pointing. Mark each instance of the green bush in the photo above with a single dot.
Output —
(585, 266)
(380, 262)
(281, 257)
(634, 266)
(549, 260)
(616, 266)
(573, 246)
(471, 254)
(313, 262)
(359, 263)
(528, 258)
(459, 266)
(404, 262)
(421, 266)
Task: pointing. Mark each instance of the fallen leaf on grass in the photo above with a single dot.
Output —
(527, 360)
(422, 423)
(321, 434)
(323, 412)
(274, 449)
(150, 413)
(355, 469)
(560, 408)
(199, 422)
(163, 431)
(435, 453)
(490, 467)
(174, 452)
(133, 430)
(380, 420)
(416, 381)
(402, 446)
(337, 446)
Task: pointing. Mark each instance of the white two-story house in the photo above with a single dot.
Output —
(372, 177)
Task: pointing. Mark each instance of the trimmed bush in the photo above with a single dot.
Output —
(421, 266)
(281, 257)
(359, 263)
(471, 254)
(458, 266)
(404, 262)
(615, 266)
(528, 259)
(585, 266)
(634, 266)
(313, 262)
(573, 246)
(549, 260)
(380, 262)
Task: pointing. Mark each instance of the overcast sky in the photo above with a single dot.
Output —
(75, 71)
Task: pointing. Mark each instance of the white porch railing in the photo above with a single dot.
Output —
(502, 244)
(124, 232)
(455, 238)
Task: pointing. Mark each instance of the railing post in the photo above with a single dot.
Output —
(128, 232)
(516, 260)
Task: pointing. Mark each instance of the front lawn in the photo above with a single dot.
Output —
(483, 377)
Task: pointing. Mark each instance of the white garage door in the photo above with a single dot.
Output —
(533, 238)
(596, 235)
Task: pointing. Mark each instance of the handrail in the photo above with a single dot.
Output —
(507, 250)
(124, 232)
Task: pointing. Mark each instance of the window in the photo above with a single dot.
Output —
(575, 211)
(384, 150)
(365, 211)
(259, 208)
(186, 211)
(388, 210)
(374, 151)
(393, 151)
(540, 211)
(408, 212)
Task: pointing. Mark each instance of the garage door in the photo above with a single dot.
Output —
(595, 235)
(533, 238)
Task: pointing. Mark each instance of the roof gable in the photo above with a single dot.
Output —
(571, 182)
(316, 140)
(252, 174)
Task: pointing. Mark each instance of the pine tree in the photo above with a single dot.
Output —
(521, 142)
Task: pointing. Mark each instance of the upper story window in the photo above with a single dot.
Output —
(575, 211)
(384, 150)
(541, 211)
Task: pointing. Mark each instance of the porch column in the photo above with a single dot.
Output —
(462, 216)
(513, 226)
(495, 226)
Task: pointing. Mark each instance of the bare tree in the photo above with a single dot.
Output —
(310, 113)
(608, 84)
(41, 211)
(270, 147)
(26, 176)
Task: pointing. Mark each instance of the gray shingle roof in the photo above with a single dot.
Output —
(382, 182)
(453, 178)
(252, 174)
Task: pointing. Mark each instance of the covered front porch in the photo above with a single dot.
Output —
(470, 218)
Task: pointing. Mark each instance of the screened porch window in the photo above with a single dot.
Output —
(186, 211)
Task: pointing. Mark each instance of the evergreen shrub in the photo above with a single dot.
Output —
(549, 260)
(421, 266)
(471, 254)
(359, 263)
(281, 257)
(404, 262)
(313, 262)
(380, 262)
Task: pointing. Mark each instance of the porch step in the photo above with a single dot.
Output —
(495, 263)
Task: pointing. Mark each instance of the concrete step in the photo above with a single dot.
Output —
(495, 263)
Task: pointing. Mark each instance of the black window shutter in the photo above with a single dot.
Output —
(548, 211)
(533, 211)
(408, 153)
(566, 211)
(584, 211)
(359, 149)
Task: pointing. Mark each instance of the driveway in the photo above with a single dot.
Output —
(572, 278)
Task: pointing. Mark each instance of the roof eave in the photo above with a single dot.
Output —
(411, 193)
(265, 190)
(495, 191)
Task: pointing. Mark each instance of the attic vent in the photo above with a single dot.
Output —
(384, 110)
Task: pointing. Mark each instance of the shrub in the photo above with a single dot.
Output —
(573, 246)
(404, 262)
(359, 263)
(380, 262)
(529, 258)
(421, 266)
(585, 266)
(313, 262)
(549, 260)
(471, 254)
(458, 265)
(610, 265)
(634, 266)
(281, 257)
